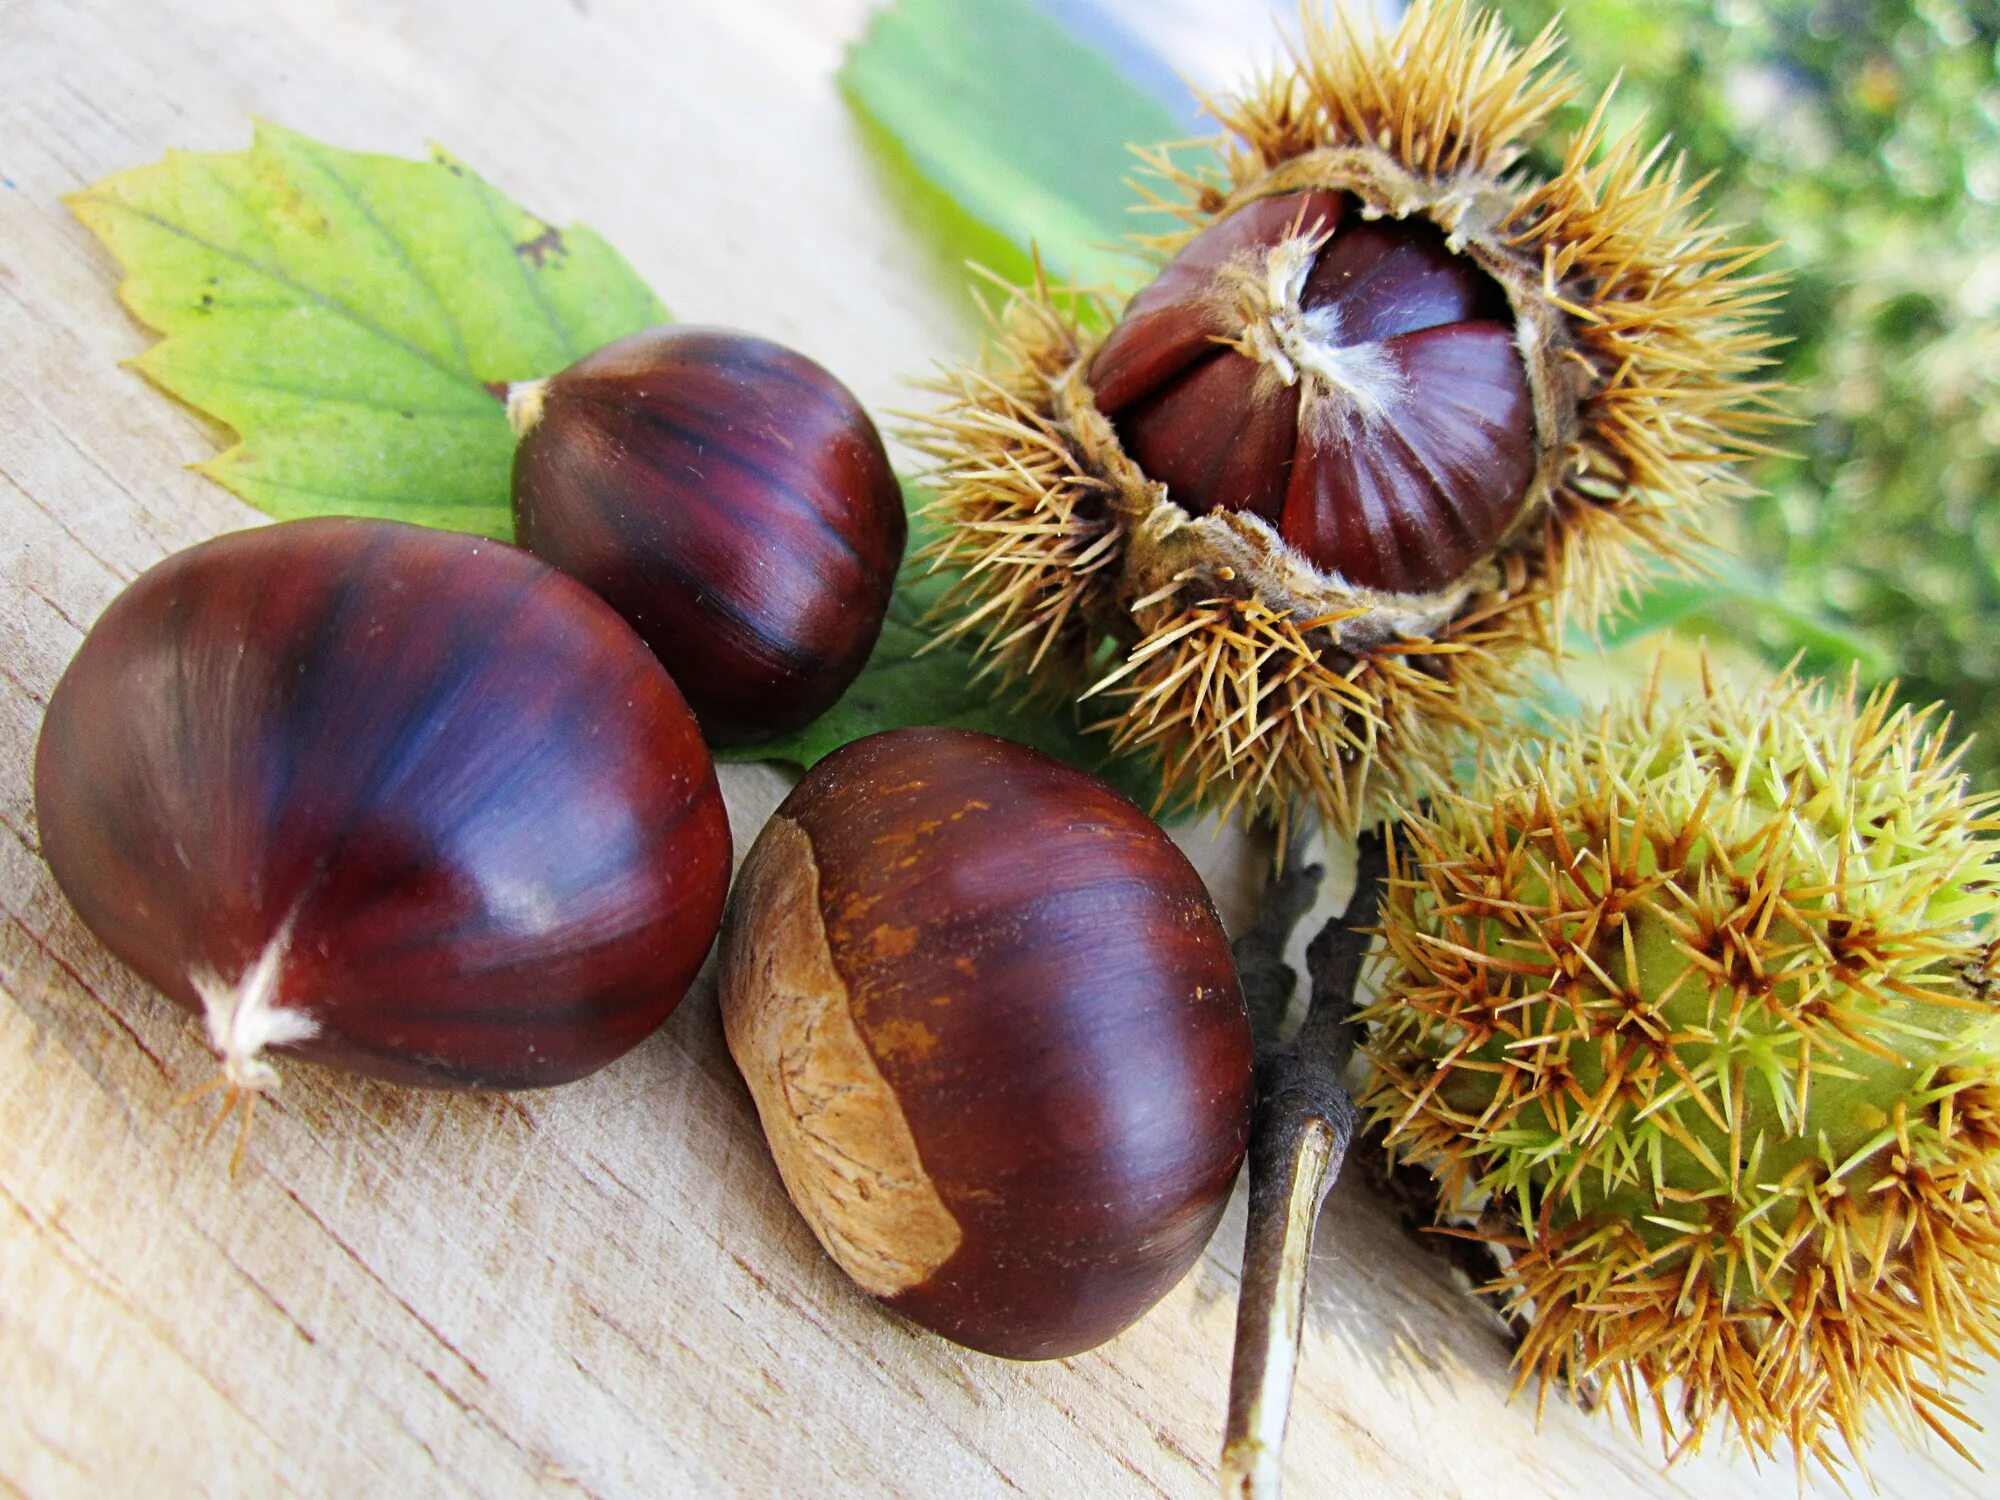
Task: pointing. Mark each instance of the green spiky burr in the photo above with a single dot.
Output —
(1694, 1014)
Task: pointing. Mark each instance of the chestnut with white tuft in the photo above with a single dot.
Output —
(1391, 407)
(1692, 1015)
(401, 800)
(244, 1019)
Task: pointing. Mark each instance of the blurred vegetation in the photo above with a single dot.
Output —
(1862, 137)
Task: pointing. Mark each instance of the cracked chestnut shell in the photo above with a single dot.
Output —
(405, 801)
(1351, 380)
(992, 1027)
(732, 500)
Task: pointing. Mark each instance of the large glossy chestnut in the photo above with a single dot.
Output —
(732, 501)
(402, 800)
(993, 1030)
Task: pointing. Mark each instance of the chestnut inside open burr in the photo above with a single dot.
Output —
(1353, 381)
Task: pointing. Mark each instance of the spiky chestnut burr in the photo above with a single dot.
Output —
(1391, 405)
(1692, 1012)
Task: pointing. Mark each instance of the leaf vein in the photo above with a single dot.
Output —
(282, 278)
(486, 193)
(485, 411)
(406, 260)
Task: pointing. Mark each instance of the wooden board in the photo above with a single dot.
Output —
(599, 1290)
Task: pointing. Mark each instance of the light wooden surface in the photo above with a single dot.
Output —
(599, 1290)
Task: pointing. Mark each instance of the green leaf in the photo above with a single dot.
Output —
(1013, 120)
(913, 679)
(354, 318)
(1662, 607)
(1736, 601)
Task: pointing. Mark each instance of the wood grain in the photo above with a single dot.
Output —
(600, 1290)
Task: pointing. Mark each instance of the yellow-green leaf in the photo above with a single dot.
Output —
(355, 318)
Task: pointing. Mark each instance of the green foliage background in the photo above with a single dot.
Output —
(1863, 138)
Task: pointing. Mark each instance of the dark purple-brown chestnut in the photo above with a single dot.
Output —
(729, 498)
(406, 801)
(1353, 381)
(993, 1029)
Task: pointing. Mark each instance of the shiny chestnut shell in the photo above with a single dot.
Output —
(993, 1030)
(1352, 380)
(729, 498)
(443, 785)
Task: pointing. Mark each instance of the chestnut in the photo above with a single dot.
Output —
(732, 501)
(993, 1030)
(1353, 380)
(402, 800)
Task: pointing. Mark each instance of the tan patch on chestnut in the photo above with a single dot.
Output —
(835, 1126)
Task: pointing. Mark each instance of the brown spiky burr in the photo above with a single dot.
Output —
(1692, 1014)
(1391, 409)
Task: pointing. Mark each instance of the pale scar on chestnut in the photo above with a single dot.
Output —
(836, 1129)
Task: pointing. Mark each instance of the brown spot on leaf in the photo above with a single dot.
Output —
(544, 245)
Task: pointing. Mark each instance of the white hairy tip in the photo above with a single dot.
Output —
(1345, 383)
(244, 1017)
(524, 405)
